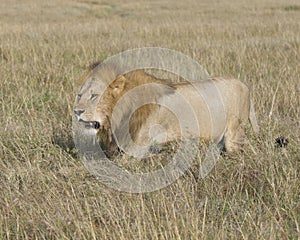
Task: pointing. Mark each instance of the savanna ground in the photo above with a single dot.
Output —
(46, 192)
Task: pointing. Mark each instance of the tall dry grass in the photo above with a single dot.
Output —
(46, 193)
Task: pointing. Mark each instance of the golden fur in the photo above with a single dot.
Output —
(234, 102)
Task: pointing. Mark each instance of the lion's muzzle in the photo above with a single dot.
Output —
(90, 124)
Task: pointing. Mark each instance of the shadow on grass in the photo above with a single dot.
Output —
(64, 140)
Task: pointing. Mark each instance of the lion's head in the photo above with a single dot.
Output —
(93, 108)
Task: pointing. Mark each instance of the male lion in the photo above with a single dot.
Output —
(221, 107)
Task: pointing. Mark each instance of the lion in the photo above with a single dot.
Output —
(220, 107)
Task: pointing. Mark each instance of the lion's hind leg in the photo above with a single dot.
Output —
(235, 136)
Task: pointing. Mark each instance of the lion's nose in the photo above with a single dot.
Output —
(78, 112)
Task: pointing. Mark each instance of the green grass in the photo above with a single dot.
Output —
(45, 191)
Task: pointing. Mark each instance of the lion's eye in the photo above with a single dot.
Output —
(93, 96)
(78, 96)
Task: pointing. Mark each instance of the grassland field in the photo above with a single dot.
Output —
(47, 193)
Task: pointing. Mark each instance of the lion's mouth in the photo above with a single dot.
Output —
(90, 124)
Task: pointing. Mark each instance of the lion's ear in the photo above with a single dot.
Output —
(118, 85)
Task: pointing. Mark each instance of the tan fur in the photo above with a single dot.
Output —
(228, 96)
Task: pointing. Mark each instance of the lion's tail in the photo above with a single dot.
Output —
(252, 117)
